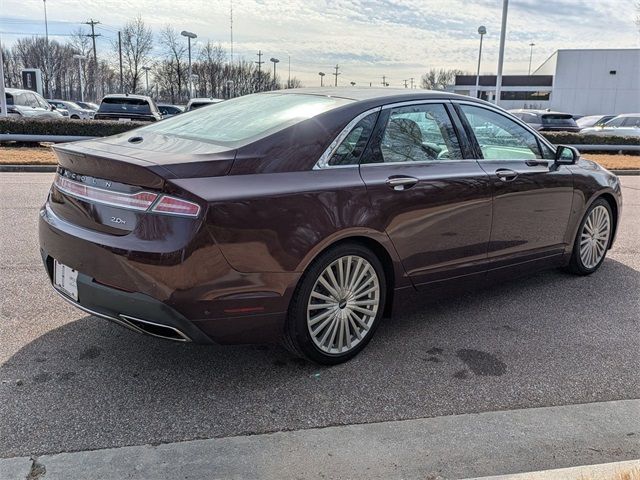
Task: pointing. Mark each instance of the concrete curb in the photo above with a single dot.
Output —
(604, 471)
(451, 447)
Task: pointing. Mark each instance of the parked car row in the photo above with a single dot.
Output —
(119, 107)
(626, 125)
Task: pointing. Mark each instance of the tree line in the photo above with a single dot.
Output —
(166, 69)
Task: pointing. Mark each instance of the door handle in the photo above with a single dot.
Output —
(506, 175)
(401, 183)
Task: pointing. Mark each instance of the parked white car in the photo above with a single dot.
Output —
(28, 104)
(627, 125)
(76, 112)
(201, 102)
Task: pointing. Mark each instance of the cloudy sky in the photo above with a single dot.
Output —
(367, 38)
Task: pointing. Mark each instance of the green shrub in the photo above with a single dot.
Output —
(567, 138)
(81, 128)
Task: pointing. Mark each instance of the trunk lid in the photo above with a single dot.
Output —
(104, 184)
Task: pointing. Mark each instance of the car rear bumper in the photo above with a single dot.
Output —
(197, 298)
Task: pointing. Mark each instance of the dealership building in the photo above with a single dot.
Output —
(582, 82)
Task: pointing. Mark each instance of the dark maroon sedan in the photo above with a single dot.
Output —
(306, 215)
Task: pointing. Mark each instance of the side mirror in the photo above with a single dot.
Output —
(53, 107)
(566, 155)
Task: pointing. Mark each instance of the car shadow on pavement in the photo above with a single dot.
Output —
(548, 339)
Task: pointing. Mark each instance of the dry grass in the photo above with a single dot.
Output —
(27, 156)
(628, 475)
(44, 156)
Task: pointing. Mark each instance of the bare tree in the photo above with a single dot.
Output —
(171, 72)
(137, 42)
(439, 79)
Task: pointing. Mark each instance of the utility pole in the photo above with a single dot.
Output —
(412, 83)
(46, 56)
(405, 83)
(289, 80)
(92, 23)
(384, 80)
(336, 75)
(231, 28)
(120, 53)
(503, 37)
(531, 56)
(260, 62)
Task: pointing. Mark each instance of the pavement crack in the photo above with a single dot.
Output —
(37, 470)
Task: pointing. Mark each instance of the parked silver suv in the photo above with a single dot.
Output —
(28, 104)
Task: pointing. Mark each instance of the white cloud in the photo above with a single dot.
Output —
(368, 38)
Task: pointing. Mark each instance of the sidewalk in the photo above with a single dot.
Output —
(460, 446)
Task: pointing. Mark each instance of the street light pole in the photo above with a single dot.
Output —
(275, 61)
(531, 56)
(503, 38)
(482, 31)
(146, 75)
(80, 58)
(46, 56)
(322, 74)
(189, 36)
(3, 98)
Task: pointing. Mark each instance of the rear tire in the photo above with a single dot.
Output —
(337, 305)
(75, 117)
(592, 240)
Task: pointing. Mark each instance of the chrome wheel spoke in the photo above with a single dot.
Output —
(594, 237)
(343, 304)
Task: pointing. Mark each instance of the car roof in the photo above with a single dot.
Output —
(206, 99)
(539, 112)
(18, 90)
(374, 93)
(127, 95)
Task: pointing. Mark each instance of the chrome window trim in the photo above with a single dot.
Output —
(420, 162)
(501, 111)
(323, 161)
(411, 103)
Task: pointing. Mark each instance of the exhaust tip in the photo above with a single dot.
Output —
(155, 329)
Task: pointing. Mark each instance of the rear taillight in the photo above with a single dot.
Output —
(176, 206)
(141, 201)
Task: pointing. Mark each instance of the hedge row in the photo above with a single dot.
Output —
(82, 128)
(567, 138)
(103, 128)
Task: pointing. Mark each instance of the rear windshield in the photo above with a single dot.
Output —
(558, 119)
(125, 105)
(246, 118)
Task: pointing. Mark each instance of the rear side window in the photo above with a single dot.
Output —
(631, 122)
(125, 105)
(9, 98)
(499, 137)
(351, 148)
(245, 119)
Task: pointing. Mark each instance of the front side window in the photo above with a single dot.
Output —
(419, 133)
(30, 100)
(499, 137)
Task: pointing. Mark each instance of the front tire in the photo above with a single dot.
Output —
(337, 305)
(592, 240)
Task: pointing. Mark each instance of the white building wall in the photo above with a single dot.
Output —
(583, 84)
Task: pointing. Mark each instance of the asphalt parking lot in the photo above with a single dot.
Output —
(69, 381)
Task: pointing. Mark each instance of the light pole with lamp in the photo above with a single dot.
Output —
(482, 31)
(80, 58)
(531, 56)
(146, 77)
(275, 61)
(503, 38)
(322, 74)
(189, 36)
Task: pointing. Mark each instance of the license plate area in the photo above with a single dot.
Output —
(65, 279)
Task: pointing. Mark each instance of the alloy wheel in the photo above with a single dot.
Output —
(343, 304)
(594, 238)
